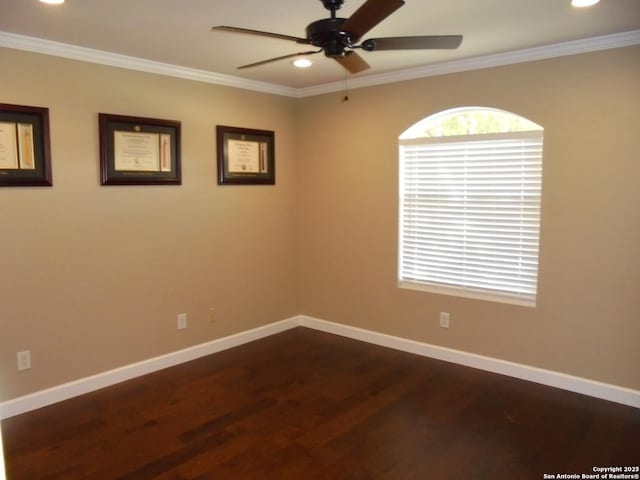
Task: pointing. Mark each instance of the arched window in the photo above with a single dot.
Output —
(470, 193)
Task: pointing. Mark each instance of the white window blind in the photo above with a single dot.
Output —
(470, 215)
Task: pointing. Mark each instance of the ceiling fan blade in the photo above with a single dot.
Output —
(369, 15)
(224, 28)
(413, 43)
(352, 62)
(291, 55)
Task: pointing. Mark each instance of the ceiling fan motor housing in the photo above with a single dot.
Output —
(328, 35)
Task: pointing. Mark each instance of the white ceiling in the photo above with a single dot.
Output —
(177, 32)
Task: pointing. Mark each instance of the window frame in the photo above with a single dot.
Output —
(460, 289)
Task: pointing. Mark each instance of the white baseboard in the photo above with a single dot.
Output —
(571, 383)
(65, 391)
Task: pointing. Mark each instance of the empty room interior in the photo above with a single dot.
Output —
(225, 324)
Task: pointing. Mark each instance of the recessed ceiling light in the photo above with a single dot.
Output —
(302, 63)
(53, 2)
(583, 3)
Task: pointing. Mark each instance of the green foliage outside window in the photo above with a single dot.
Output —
(470, 122)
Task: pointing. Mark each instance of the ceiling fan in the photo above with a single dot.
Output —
(338, 37)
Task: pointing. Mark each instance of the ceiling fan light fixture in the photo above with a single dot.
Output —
(53, 2)
(583, 3)
(302, 63)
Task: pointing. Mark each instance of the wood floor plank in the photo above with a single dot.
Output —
(309, 405)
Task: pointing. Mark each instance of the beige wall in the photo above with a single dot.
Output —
(587, 321)
(92, 277)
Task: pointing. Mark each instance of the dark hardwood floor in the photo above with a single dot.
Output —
(309, 405)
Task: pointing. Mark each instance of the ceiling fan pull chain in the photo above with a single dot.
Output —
(345, 98)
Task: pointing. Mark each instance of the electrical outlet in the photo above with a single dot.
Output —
(24, 360)
(212, 315)
(182, 321)
(444, 319)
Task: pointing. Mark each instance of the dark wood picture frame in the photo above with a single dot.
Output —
(25, 146)
(139, 150)
(245, 156)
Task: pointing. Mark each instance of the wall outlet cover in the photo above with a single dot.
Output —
(24, 360)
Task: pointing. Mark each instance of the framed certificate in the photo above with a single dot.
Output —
(25, 158)
(245, 156)
(139, 151)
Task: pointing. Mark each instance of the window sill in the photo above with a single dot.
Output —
(511, 299)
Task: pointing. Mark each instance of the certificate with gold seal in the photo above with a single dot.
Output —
(139, 151)
(136, 152)
(245, 156)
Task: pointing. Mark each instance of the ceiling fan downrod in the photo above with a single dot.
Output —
(332, 6)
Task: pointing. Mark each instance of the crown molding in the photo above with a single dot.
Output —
(48, 47)
(574, 47)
